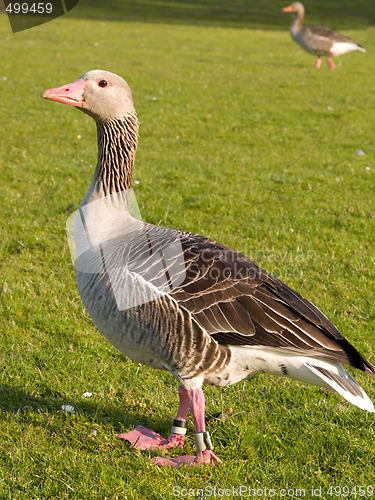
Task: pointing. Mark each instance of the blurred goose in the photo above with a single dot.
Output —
(319, 40)
(181, 302)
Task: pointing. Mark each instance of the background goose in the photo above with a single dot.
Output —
(181, 302)
(319, 40)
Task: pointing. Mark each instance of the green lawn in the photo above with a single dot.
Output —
(242, 140)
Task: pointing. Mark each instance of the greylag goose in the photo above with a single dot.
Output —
(319, 40)
(182, 302)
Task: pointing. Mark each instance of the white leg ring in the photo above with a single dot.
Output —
(179, 427)
(203, 441)
(178, 430)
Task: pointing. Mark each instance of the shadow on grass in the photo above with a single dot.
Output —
(15, 400)
(262, 14)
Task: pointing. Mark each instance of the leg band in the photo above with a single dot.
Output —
(203, 441)
(179, 427)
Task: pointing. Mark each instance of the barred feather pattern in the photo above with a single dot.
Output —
(223, 299)
(158, 333)
(117, 145)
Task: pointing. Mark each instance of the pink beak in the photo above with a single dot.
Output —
(71, 94)
(288, 9)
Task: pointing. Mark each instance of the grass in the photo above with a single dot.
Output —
(241, 140)
(265, 14)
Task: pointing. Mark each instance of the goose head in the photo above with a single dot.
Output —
(295, 7)
(101, 94)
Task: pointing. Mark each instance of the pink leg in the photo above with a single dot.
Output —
(318, 62)
(330, 62)
(146, 439)
(197, 407)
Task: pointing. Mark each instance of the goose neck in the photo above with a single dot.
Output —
(117, 144)
(298, 23)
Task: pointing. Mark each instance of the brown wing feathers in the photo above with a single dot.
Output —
(329, 34)
(238, 303)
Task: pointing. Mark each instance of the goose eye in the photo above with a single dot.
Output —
(103, 83)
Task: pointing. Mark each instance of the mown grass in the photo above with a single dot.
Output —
(263, 14)
(242, 140)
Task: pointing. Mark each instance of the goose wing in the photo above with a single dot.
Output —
(327, 34)
(238, 303)
(233, 299)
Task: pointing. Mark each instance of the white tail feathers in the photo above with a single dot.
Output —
(340, 381)
(317, 371)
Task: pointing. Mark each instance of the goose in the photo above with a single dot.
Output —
(319, 40)
(181, 302)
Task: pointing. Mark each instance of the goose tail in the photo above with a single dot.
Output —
(339, 380)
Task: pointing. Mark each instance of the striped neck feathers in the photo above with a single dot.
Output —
(117, 145)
